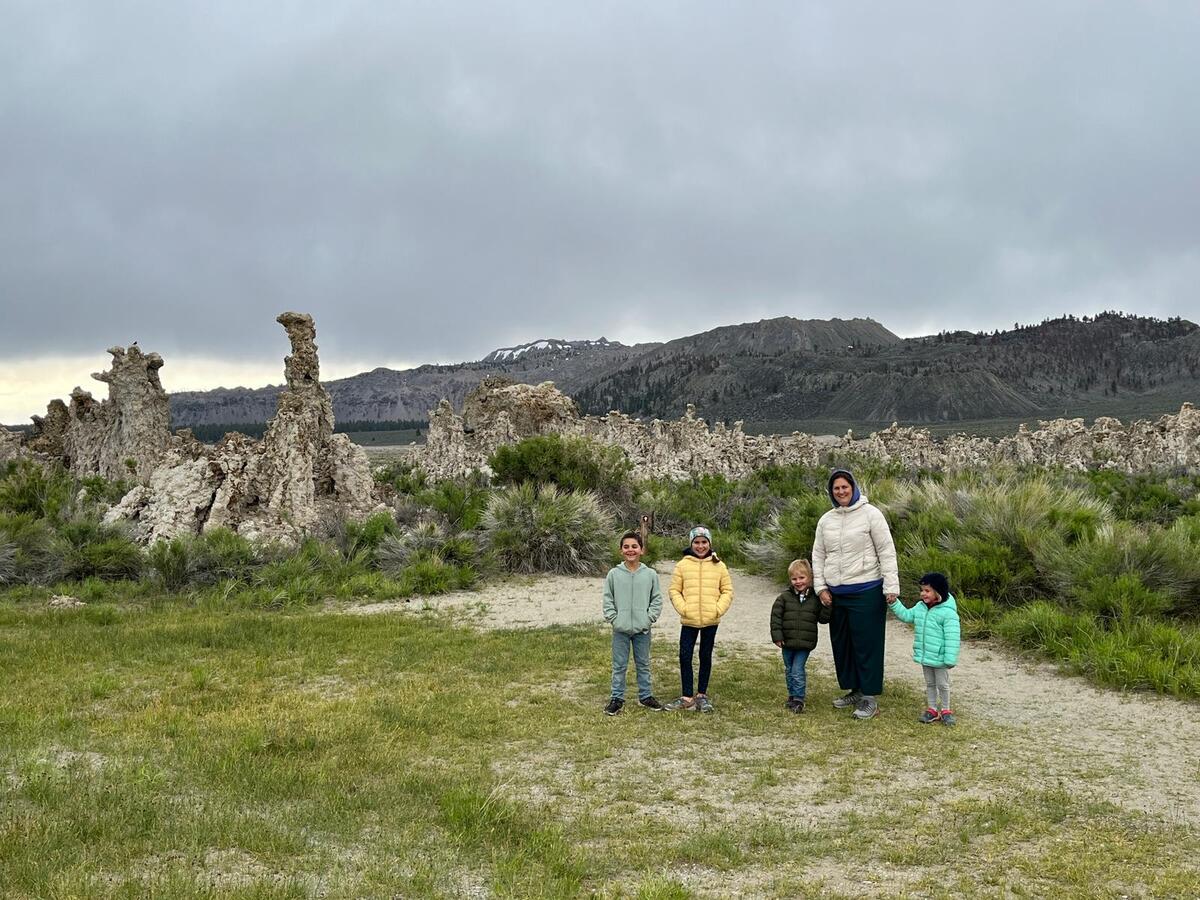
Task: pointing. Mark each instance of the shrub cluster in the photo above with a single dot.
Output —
(569, 463)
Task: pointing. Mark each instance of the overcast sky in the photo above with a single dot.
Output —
(434, 180)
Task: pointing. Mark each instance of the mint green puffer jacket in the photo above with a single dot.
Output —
(937, 632)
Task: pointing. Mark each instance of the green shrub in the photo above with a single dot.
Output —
(8, 562)
(1152, 568)
(361, 538)
(460, 501)
(788, 536)
(101, 491)
(570, 463)
(27, 487)
(1038, 626)
(92, 549)
(433, 575)
(220, 555)
(170, 563)
(406, 478)
(425, 540)
(1145, 497)
(38, 556)
(977, 616)
(533, 529)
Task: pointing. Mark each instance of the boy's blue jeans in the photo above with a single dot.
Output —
(794, 662)
(641, 662)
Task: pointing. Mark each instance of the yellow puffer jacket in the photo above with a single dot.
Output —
(701, 590)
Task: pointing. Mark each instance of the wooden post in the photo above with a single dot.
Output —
(646, 526)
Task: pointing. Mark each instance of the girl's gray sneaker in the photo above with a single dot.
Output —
(851, 699)
(867, 708)
(681, 703)
(703, 705)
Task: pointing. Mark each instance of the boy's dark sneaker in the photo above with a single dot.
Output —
(614, 706)
(791, 701)
(947, 717)
(652, 703)
(848, 701)
(930, 716)
(798, 706)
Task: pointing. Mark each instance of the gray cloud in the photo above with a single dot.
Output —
(435, 181)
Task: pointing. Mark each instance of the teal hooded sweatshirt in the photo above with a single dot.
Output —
(632, 600)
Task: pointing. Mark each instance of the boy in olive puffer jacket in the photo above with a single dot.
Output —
(794, 618)
(935, 643)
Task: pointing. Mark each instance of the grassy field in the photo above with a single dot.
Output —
(202, 752)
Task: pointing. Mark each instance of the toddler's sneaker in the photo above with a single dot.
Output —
(867, 708)
(651, 702)
(614, 706)
(681, 703)
(947, 717)
(703, 705)
(851, 699)
(930, 716)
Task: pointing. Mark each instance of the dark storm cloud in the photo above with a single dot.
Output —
(434, 181)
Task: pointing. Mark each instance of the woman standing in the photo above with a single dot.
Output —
(854, 569)
(701, 592)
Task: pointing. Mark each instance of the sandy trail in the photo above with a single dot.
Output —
(1064, 728)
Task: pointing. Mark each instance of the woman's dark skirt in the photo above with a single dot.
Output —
(856, 631)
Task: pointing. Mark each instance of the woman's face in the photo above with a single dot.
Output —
(843, 490)
(701, 545)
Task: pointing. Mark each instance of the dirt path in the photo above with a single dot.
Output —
(1066, 730)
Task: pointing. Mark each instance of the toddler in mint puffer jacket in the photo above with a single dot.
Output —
(935, 643)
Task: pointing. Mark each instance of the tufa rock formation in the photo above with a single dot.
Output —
(300, 475)
(499, 412)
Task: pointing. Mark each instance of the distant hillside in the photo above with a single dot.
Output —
(387, 394)
(787, 370)
(954, 376)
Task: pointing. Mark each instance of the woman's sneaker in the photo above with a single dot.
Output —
(703, 705)
(930, 716)
(614, 706)
(681, 703)
(851, 699)
(867, 708)
(947, 717)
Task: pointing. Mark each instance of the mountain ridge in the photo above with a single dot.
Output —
(787, 369)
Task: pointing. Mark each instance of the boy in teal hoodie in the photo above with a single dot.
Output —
(935, 643)
(632, 603)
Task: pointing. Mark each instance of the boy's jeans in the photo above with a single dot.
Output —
(794, 662)
(641, 662)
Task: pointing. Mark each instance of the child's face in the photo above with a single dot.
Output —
(631, 550)
(799, 581)
(701, 545)
(928, 595)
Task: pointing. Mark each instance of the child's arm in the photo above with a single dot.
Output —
(676, 589)
(726, 599)
(824, 613)
(951, 638)
(655, 609)
(610, 601)
(777, 621)
(904, 615)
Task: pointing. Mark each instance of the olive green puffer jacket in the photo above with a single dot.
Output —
(794, 619)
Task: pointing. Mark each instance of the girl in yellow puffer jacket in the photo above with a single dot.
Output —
(701, 592)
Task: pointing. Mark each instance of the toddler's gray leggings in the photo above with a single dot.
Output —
(937, 687)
